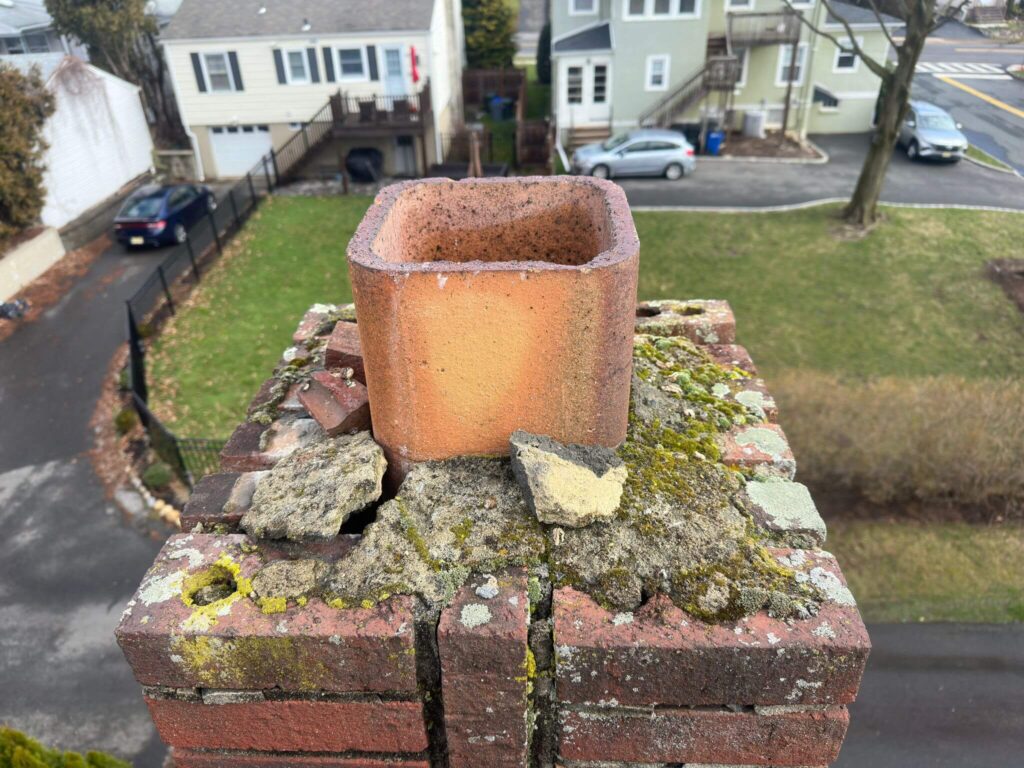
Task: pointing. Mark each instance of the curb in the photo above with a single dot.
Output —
(811, 204)
(986, 166)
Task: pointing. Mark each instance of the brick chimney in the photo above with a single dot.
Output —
(306, 618)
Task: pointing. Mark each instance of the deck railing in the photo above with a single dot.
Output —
(361, 112)
(770, 28)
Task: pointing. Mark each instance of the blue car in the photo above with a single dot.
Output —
(162, 215)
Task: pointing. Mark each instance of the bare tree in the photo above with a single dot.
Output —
(921, 18)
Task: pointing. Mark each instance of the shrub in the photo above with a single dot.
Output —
(157, 476)
(19, 751)
(489, 28)
(125, 419)
(940, 438)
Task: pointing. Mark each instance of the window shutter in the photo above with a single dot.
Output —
(371, 58)
(314, 69)
(329, 63)
(236, 72)
(279, 64)
(197, 67)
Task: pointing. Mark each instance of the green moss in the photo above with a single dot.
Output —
(415, 537)
(19, 751)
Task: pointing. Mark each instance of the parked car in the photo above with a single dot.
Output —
(641, 152)
(930, 132)
(161, 215)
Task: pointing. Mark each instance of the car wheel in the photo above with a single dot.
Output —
(600, 172)
(674, 172)
(180, 233)
(912, 150)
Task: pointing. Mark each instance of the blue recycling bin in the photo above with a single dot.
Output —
(714, 143)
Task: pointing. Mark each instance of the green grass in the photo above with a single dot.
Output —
(905, 571)
(985, 158)
(538, 95)
(503, 140)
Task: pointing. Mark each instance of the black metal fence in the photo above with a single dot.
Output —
(183, 267)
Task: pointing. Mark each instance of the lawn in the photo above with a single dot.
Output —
(983, 157)
(909, 299)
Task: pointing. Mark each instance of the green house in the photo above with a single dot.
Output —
(618, 64)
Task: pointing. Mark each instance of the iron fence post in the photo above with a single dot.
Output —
(266, 172)
(234, 207)
(167, 290)
(216, 234)
(252, 188)
(192, 258)
(273, 161)
(305, 138)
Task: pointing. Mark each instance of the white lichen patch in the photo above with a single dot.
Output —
(721, 390)
(162, 588)
(787, 506)
(622, 618)
(475, 615)
(764, 440)
(195, 557)
(753, 401)
(830, 585)
(824, 630)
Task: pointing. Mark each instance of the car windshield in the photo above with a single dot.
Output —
(615, 141)
(143, 207)
(937, 123)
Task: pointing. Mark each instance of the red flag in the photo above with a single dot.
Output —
(415, 62)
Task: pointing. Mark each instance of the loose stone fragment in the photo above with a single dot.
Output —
(570, 485)
(311, 493)
(289, 578)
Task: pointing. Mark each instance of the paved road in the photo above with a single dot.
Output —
(747, 184)
(68, 562)
(996, 128)
(940, 696)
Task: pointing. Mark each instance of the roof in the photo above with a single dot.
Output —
(47, 62)
(17, 16)
(855, 14)
(198, 19)
(596, 38)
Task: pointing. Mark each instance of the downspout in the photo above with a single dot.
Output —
(192, 138)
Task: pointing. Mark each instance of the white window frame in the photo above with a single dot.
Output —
(592, 12)
(783, 64)
(649, 70)
(342, 77)
(649, 15)
(744, 68)
(227, 65)
(821, 107)
(731, 5)
(836, 69)
(802, 3)
(568, 83)
(285, 52)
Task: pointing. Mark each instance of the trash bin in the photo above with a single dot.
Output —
(714, 144)
(497, 105)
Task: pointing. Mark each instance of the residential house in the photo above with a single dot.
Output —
(249, 73)
(98, 138)
(623, 63)
(26, 28)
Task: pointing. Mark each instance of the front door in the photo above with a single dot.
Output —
(586, 85)
(394, 73)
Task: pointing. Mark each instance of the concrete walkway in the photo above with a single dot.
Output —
(726, 183)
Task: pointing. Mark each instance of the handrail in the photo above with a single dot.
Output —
(717, 73)
(695, 79)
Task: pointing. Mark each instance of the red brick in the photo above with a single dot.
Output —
(338, 406)
(664, 656)
(344, 350)
(250, 450)
(206, 503)
(700, 321)
(308, 326)
(759, 447)
(308, 648)
(484, 675)
(732, 356)
(292, 725)
(189, 758)
(754, 392)
(242, 451)
(703, 736)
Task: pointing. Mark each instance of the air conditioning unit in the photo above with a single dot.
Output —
(754, 122)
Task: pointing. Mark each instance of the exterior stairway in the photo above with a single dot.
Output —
(580, 136)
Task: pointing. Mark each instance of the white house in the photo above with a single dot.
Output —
(98, 136)
(248, 73)
(26, 28)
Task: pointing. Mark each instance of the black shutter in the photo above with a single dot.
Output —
(371, 57)
(197, 67)
(329, 63)
(235, 71)
(279, 64)
(314, 69)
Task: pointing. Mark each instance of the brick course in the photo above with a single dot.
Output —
(189, 758)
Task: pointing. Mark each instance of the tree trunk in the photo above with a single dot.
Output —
(862, 210)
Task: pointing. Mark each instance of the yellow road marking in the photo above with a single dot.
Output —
(983, 96)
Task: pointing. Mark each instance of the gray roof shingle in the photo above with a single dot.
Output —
(856, 14)
(23, 14)
(241, 18)
(597, 38)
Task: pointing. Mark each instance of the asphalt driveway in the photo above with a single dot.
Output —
(744, 184)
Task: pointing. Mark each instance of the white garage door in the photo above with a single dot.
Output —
(237, 148)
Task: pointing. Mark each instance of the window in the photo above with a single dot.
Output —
(600, 84)
(739, 5)
(785, 56)
(351, 63)
(657, 73)
(846, 61)
(582, 7)
(827, 102)
(12, 45)
(802, 3)
(218, 73)
(296, 66)
(574, 85)
(640, 146)
(36, 42)
(660, 9)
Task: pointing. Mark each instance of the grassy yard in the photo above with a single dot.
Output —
(909, 299)
(985, 158)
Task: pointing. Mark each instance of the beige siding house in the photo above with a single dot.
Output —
(249, 73)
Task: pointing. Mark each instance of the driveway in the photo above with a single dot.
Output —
(736, 183)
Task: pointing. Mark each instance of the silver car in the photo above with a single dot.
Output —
(642, 152)
(930, 132)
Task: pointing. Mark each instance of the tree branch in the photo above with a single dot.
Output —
(951, 12)
(854, 46)
(881, 23)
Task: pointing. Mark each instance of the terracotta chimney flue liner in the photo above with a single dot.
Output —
(491, 305)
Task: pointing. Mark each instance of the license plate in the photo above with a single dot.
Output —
(947, 154)
(137, 240)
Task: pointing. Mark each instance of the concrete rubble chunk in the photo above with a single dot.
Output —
(309, 494)
(289, 578)
(570, 485)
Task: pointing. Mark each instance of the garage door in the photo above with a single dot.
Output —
(237, 148)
